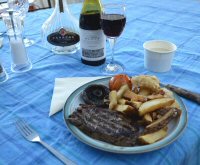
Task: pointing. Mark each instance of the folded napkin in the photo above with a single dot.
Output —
(63, 88)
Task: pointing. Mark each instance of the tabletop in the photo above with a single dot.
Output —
(28, 95)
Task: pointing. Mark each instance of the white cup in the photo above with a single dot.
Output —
(158, 55)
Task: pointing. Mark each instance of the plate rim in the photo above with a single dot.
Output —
(176, 133)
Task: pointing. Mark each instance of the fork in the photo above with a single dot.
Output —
(31, 135)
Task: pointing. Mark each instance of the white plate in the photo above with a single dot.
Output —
(176, 126)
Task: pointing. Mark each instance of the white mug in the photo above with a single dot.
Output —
(158, 55)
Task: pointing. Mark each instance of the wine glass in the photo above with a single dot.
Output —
(113, 21)
(21, 6)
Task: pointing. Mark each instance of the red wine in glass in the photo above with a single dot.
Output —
(113, 24)
(113, 21)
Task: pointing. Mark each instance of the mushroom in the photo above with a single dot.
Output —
(95, 95)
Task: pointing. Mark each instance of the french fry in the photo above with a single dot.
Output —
(153, 137)
(152, 105)
(113, 99)
(132, 96)
(164, 120)
(122, 90)
(127, 109)
(122, 101)
(147, 118)
(136, 104)
(157, 96)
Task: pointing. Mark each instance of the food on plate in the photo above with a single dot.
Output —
(164, 120)
(119, 80)
(143, 91)
(153, 137)
(156, 96)
(132, 103)
(126, 109)
(113, 99)
(133, 96)
(136, 104)
(95, 95)
(122, 90)
(145, 81)
(159, 113)
(167, 93)
(175, 105)
(105, 125)
(147, 118)
(155, 104)
(123, 101)
(135, 116)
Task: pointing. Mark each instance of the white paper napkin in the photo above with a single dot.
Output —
(63, 88)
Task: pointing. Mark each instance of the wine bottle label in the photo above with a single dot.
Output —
(63, 38)
(92, 44)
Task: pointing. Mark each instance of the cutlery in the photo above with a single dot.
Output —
(184, 93)
(31, 135)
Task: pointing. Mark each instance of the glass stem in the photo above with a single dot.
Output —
(22, 28)
(112, 42)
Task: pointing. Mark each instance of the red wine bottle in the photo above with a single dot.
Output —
(92, 39)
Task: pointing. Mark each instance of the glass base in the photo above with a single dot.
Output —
(113, 68)
(21, 68)
(3, 77)
(28, 42)
(66, 50)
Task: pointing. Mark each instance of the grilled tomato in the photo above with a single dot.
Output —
(119, 80)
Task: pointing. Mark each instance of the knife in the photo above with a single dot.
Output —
(184, 93)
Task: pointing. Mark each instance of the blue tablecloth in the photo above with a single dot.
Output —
(28, 95)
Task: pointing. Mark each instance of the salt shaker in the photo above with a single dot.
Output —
(20, 60)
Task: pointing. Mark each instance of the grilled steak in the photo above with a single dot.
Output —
(105, 125)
